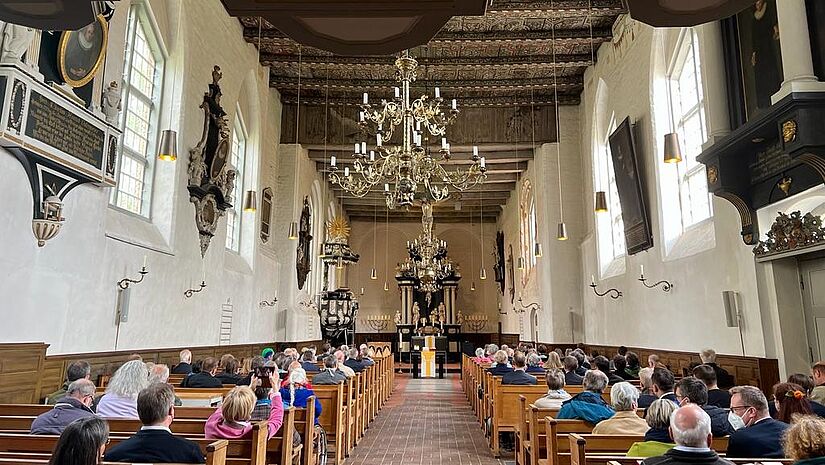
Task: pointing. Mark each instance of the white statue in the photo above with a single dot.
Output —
(14, 42)
(110, 103)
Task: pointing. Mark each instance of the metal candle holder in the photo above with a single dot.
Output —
(666, 285)
(190, 292)
(377, 322)
(476, 322)
(613, 292)
(124, 283)
(268, 303)
(523, 308)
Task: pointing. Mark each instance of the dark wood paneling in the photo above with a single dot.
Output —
(20, 369)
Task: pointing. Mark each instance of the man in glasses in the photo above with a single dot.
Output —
(74, 405)
(762, 435)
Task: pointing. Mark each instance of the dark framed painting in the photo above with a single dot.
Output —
(637, 231)
(80, 53)
(303, 261)
(760, 57)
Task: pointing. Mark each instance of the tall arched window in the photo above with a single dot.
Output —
(688, 114)
(142, 73)
(610, 225)
(529, 228)
(237, 158)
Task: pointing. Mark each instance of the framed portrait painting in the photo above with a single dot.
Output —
(80, 53)
(760, 56)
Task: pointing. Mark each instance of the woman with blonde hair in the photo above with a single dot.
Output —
(657, 439)
(232, 419)
(120, 399)
(553, 362)
(805, 441)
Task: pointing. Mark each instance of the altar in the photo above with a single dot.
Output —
(427, 352)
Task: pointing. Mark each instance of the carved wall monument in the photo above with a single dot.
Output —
(303, 262)
(211, 179)
(790, 232)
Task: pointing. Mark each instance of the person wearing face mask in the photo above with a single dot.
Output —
(761, 437)
(74, 405)
(690, 390)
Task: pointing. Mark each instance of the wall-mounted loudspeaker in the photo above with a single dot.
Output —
(731, 301)
(122, 315)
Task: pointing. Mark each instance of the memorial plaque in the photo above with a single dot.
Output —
(769, 162)
(57, 127)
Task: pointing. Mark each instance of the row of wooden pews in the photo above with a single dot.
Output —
(541, 438)
(346, 411)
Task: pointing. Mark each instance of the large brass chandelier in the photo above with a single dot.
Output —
(427, 261)
(409, 171)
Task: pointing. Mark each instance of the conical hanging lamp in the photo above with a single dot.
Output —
(537, 250)
(373, 274)
(601, 202)
(473, 286)
(672, 149)
(520, 263)
(293, 227)
(250, 201)
(168, 145)
(562, 227)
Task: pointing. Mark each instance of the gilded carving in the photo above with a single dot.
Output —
(789, 129)
(791, 232)
(713, 174)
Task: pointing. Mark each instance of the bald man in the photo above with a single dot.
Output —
(690, 430)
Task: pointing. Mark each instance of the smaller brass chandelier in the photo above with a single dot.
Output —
(427, 261)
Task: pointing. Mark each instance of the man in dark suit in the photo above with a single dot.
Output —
(206, 378)
(330, 375)
(690, 430)
(690, 390)
(645, 380)
(229, 376)
(185, 365)
(518, 376)
(571, 377)
(724, 379)
(354, 361)
(663, 382)
(603, 365)
(154, 443)
(761, 438)
(308, 362)
(716, 396)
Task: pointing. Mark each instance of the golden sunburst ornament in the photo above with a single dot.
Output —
(338, 230)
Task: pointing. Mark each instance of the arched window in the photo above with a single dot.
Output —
(237, 159)
(529, 228)
(142, 73)
(688, 116)
(610, 225)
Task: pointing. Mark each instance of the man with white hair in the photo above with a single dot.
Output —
(74, 405)
(723, 379)
(347, 371)
(589, 404)
(185, 365)
(624, 398)
(690, 430)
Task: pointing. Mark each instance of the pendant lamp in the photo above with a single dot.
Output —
(673, 153)
(473, 286)
(483, 274)
(293, 227)
(562, 233)
(520, 263)
(250, 201)
(601, 202)
(386, 286)
(537, 251)
(168, 147)
(293, 231)
(373, 274)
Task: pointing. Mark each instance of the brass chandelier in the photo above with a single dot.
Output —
(405, 168)
(427, 261)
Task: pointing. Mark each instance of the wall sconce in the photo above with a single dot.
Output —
(124, 283)
(267, 303)
(613, 292)
(666, 285)
(523, 308)
(190, 292)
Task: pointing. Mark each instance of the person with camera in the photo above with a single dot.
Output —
(233, 419)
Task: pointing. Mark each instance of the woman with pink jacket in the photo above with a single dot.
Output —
(232, 419)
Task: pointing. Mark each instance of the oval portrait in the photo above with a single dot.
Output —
(81, 52)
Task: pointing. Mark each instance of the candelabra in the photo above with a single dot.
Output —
(403, 168)
(476, 322)
(377, 322)
(124, 283)
(613, 292)
(427, 261)
(190, 292)
(529, 307)
(666, 285)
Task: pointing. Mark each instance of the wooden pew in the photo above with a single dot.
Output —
(596, 449)
(333, 418)
(305, 425)
(504, 412)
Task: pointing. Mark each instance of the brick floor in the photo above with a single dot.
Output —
(425, 422)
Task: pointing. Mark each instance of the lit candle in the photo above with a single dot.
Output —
(593, 279)
(437, 92)
(372, 155)
(366, 98)
(443, 142)
(378, 140)
(332, 161)
(642, 270)
(483, 162)
(454, 105)
(346, 171)
(145, 257)
(361, 114)
(386, 187)
(364, 148)
(418, 126)
(475, 150)
(357, 148)
(397, 92)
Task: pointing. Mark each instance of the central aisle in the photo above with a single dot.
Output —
(425, 422)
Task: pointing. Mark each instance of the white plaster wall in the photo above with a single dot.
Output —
(65, 293)
(466, 245)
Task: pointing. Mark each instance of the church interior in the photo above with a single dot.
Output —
(439, 205)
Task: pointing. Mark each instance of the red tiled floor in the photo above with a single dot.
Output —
(425, 422)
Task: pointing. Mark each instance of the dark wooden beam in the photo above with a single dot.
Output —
(282, 82)
(468, 61)
(499, 168)
(574, 98)
(576, 35)
(438, 219)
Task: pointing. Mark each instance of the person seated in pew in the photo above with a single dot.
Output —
(653, 361)
(81, 443)
(293, 366)
(663, 384)
(761, 437)
(581, 360)
(120, 399)
(555, 390)
(807, 384)
(657, 437)
(185, 365)
(690, 429)
(518, 376)
(571, 377)
(723, 378)
(79, 369)
(298, 391)
(232, 419)
(159, 373)
(154, 442)
(646, 396)
(308, 362)
(255, 363)
(690, 390)
(340, 356)
(326, 351)
(368, 355)
(632, 366)
(330, 375)
(805, 441)
(790, 402)
(553, 362)
(268, 354)
(481, 357)
(589, 404)
(534, 363)
(619, 364)
(716, 396)
(206, 378)
(74, 405)
(818, 375)
(603, 364)
(230, 376)
(624, 400)
(541, 349)
(501, 364)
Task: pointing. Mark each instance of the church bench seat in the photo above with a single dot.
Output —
(584, 449)
(504, 410)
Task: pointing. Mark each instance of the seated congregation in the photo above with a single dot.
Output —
(574, 406)
(287, 407)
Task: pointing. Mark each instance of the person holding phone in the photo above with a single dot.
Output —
(233, 419)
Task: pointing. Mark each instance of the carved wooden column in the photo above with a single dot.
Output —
(407, 300)
(450, 292)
